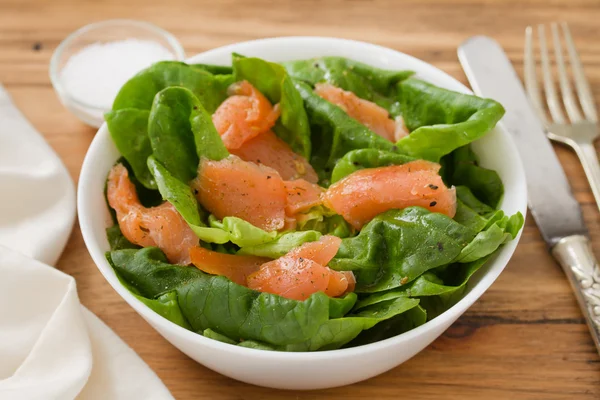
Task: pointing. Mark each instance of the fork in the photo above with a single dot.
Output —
(580, 130)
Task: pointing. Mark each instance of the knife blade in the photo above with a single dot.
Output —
(550, 200)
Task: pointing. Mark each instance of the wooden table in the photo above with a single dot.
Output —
(524, 339)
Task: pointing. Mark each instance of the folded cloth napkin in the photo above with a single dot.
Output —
(51, 347)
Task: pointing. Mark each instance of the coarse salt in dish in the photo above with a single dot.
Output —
(95, 74)
(90, 65)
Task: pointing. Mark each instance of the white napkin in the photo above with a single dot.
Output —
(51, 347)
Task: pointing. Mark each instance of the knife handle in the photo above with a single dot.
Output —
(574, 254)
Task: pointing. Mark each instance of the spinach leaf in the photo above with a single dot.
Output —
(214, 69)
(167, 306)
(394, 326)
(340, 331)
(214, 302)
(209, 333)
(337, 332)
(181, 132)
(334, 133)
(397, 246)
(366, 158)
(463, 169)
(441, 290)
(232, 313)
(440, 120)
(128, 129)
(117, 241)
(465, 195)
(370, 83)
(140, 90)
(272, 80)
(340, 306)
(438, 289)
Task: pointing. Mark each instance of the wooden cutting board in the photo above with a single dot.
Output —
(524, 339)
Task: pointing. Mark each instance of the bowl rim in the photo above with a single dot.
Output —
(447, 317)
(64, 94)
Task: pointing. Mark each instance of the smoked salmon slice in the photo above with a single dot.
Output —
(303, 271)
(233, 187)
(244, 115)
(236, 268)
(268, 149)
(301, 196)
(371, 115)
(364, 194)
(160, 226)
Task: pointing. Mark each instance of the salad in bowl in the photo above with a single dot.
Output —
(299, 206)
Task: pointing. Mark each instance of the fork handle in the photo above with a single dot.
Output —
(574, 254)
(589, 160)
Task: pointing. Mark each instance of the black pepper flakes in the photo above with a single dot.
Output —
(440, 246)
(432, 186)
(432, 204)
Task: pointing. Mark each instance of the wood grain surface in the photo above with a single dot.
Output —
(524, 339)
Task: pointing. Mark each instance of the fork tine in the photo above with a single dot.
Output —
(531, 83)
(549, 89)
(565, 86)
(581, 83)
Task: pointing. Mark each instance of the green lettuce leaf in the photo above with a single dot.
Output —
(281, 245)
(128, 129)
(239, 313)
(367, 82)
(440, 120)
(334, 133)
(272, 80)
(325, 221)
(487, 241)
(366, 158)
(241, 232)
(181, 133)
(397, 246)
(140, 90)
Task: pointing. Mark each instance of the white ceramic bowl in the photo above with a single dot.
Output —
(318, 369)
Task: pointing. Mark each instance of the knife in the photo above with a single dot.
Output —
(550, 199)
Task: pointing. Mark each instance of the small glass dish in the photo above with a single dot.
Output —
(103, 32)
